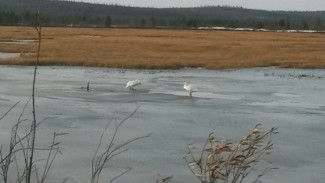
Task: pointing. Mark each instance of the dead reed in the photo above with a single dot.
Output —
(231, 162)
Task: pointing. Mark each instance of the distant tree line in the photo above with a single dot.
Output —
(69, 13)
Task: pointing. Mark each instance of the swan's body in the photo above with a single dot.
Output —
(132, 84)
(189, 88)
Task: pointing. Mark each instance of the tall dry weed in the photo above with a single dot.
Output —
(231, 162)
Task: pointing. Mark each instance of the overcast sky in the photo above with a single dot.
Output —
(254, 4)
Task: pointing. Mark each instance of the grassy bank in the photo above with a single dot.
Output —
(152, 49)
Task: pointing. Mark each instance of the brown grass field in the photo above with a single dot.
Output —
(164, 49)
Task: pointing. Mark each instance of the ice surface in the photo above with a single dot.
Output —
(229, 103)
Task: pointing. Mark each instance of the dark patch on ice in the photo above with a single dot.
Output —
(54, 98)
(317, 128)
(3, 99)
(322, 108)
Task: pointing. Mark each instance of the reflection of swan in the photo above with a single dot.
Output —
(133, 83)
(189, 88)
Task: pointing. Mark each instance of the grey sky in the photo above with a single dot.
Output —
(255, 4)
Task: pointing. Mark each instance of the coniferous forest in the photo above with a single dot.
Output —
(79, 14)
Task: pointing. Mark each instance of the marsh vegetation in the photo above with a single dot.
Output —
(164, 49)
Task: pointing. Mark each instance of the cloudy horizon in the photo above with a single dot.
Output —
(289, 5)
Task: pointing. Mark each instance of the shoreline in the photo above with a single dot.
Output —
(165, 69)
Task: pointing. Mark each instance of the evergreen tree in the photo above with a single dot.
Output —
(108, 21)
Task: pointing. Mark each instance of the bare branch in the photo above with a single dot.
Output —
(9, 110)
(100, 160)
(126, 171)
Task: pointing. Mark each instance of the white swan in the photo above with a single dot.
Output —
(189, 88)
(132, 84)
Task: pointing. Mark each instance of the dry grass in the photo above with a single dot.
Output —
(136, 48)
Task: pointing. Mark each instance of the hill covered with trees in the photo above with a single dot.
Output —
(69, 13)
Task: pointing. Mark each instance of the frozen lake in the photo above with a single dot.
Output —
(229, 103)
